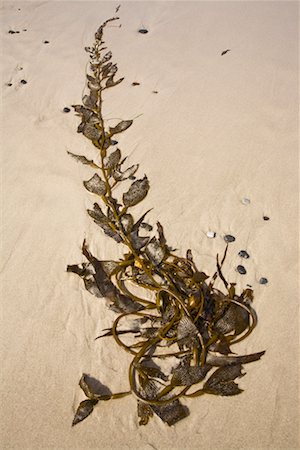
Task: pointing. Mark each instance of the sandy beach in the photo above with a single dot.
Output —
(217, 136)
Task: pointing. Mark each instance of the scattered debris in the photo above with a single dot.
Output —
(244, 254)
(241, 270)
(246, 201)
(229, 238)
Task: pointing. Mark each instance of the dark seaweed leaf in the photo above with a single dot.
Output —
(127, 223)
(95, 185)
(137, 192)
(221, 381)
(83, 160)
(144, 412)
(172, 412)
(122, 126)
(236, 319)
(113, 159)
(93, 389)
(155, 251)
(122, 303)
(91, 132)
(91, 286)
(97, 214)
(84, 409)
(138, 242)
(220, 361)
(120, 176)
(90, 101)
(111, 83)
(185, 375)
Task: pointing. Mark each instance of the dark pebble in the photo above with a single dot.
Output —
(113, 142)
(229, 238)
(46, 42)
(25, 29)
(66, 110)
(249, 285)
(241, 270)
(132, 177)
(23, 82)
(135, 83)
(266, 218)
(143, 31)
(17, 32)
(263, 281)
(9, 84)
(244, 254)
(11, 32)
(154, 92)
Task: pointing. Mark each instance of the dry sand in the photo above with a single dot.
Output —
(221, 128)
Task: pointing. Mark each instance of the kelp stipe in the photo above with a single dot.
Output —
(187, 318)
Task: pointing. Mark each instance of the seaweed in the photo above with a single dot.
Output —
(183, 316)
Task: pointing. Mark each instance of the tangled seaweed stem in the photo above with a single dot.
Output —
(190, 313)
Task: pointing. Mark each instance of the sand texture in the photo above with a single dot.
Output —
(221, 128)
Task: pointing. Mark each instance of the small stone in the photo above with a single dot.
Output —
(249, 285)
(113, 142)
(241, 270)
(11, 32)
(17, 32)
(229, 238)
(211, 234)
(244, 254)
(266, 218)
(263, 280)
(135, 83)
(8, 84)
(143, 31)
(25, 29)
(66, 109)
(23, 82)
(154, 92)
(46, 42)
(246, 201)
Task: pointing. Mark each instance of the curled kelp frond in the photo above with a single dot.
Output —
(167, 309)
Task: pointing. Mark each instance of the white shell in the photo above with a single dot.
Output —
(211, 234)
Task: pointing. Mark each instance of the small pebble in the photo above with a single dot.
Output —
(244, 254)
(113, 142)
(246, 201)
(211, 234)
(229, 238)
(263, 281)
(46, 42)
(132, 177)
(143, 31)
(11, 32)
(241, 270)
(135, 83)
(25, 29)
(154, 92)
(8, 84)
(249, 285)
(23, 82)
(17, 32)
(66, 110)
(266, 218)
